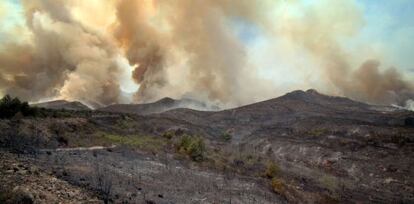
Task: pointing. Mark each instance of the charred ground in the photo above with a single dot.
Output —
(303, 147)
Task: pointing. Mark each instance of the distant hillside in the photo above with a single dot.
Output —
(62, 104)
(159, 106)
(301, 109)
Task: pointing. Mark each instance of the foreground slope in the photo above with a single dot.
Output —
(348, 148)
(303, 147)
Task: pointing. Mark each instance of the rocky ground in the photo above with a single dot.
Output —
(23, 180)
(303, 147)
(82, 176)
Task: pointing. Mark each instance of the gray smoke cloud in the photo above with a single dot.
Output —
(187, 48)
(197, 36)
(387, 87)
(63, 59)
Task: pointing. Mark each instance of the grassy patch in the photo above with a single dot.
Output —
(141, 142)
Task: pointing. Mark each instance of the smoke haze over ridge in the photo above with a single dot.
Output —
(230, 52)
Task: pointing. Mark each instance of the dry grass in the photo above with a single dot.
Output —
(278, 186)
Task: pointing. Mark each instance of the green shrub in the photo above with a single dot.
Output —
(168, 134)
(227, 136)
(193, 146)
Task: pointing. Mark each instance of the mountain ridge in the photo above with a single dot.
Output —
(62, 104)
(162, 105)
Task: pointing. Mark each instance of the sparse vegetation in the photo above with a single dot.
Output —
(104, 182)
(193, 146)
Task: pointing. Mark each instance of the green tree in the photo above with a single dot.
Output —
(9, 107)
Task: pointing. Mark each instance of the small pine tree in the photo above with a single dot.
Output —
(9, 107)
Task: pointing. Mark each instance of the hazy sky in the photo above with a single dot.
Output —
(282, 46)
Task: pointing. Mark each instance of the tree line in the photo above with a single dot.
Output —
(10, 107)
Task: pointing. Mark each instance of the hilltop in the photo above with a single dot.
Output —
(159, 106)
(62, 104)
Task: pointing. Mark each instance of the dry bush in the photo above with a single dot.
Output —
(103, 182)
(278, 186)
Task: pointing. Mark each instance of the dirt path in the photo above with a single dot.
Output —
(71, 149)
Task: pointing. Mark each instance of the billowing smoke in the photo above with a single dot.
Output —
(372, 85)
(186, 47)
(319, 30)
(191, 49)
(63, 59)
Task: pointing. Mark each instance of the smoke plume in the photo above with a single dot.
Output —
(190, 49)
(185, 47)
(319, 31)
(63, 59)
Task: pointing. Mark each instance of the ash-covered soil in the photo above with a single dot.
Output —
(138, 177)
(303, 147)
(25, 180)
